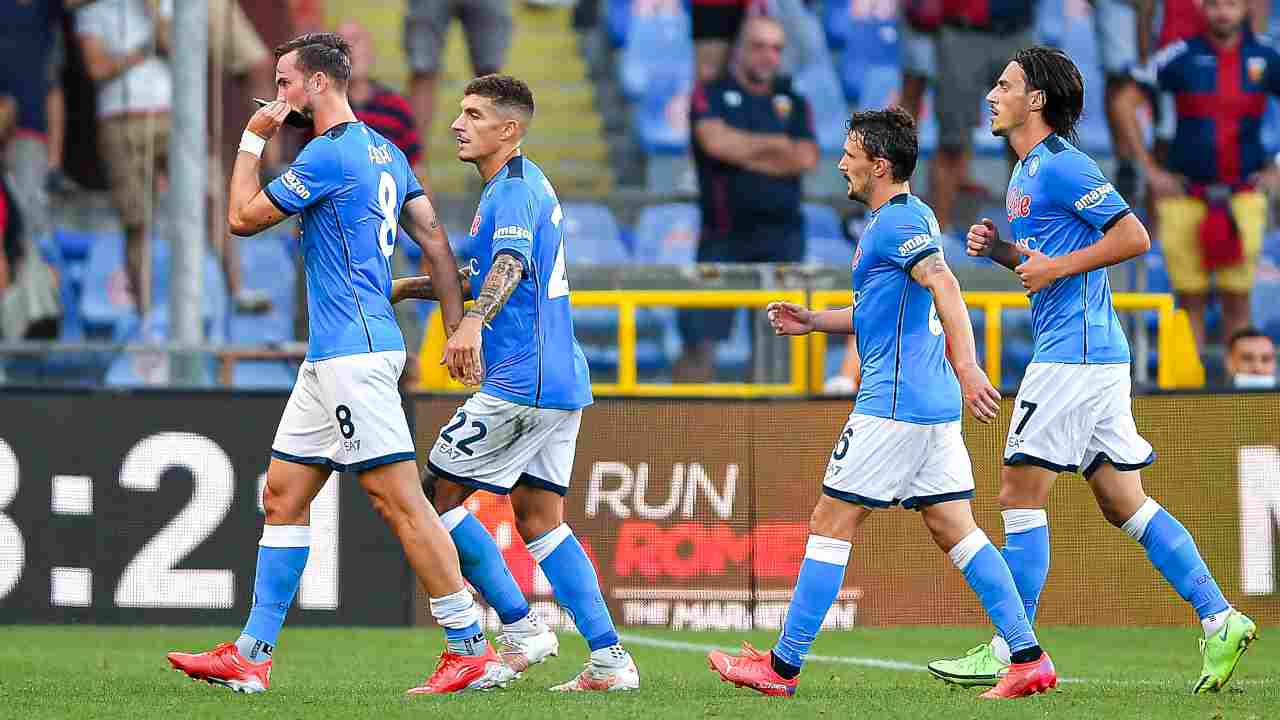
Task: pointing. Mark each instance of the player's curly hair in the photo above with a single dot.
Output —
(1051, 70)
(506, 92)
(888, 134)
(325, 52)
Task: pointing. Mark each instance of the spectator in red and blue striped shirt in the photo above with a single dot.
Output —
(375, 104)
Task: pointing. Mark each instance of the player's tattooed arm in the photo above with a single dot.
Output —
(498, 285)
(980, 397)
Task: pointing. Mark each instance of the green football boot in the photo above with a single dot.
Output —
(1222, 652)
(977, 668)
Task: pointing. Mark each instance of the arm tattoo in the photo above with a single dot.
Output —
(501, 281)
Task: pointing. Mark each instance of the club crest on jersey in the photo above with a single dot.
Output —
(475, 225)
(1257, 69)
(1016, 204)
(782, 106)
(1033, 166)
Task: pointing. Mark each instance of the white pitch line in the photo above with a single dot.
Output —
(884, 664)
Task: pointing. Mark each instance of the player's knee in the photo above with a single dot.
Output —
(532, 522)
(279, 507)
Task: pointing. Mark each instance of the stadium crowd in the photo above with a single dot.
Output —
(87, 120)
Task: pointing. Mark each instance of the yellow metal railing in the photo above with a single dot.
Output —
(992, 304)
(627, 301)
(808, 354)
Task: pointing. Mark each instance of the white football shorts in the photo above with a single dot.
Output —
(1073, 418)
(879, 462)
(493, 444)
(345, 413)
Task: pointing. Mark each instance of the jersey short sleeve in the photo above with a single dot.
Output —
(315, 175)
(515, 212)
(413, 188)
(904, 239)
(705, 105)
(1077, 185)
(1163, 71)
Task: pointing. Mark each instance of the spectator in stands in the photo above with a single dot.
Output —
(975, 42)
(389, 113)
(918, 26)
(715, 23)
(29, 307)
(124, 43)
(1251, 359)
(752, 141)
(1115, 24)
(28, 35)
(1210, 215)
(488, 26)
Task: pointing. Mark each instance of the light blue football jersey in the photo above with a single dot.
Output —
(1059, 202)
(349, 184)
(905, 372)
(531, 356)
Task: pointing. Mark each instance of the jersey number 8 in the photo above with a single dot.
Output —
(387, 204)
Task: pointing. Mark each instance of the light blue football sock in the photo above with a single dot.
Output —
(1026, 551)
(987, 573)
(282, 556)
(816, 589)
(1173, 551)
(482, 565)
(576, 587)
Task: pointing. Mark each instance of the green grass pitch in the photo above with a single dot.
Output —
(121, 672)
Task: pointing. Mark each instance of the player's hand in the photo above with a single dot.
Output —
(980, 397)
(790, 318)
(1164, 183)
(268, 119)
(982, 238)
(1038, 271)
(462, 352)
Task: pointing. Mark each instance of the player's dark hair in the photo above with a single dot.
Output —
(325, 52)
(1244, 333)
(504, 91)
(888, 134)
(1051, 70)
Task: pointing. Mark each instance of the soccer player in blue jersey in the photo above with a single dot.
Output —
(1072, 413)
(902, 443)
(517, 435)
(352, 187)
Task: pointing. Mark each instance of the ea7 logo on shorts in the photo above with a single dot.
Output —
(292, 182)
(913, 244)
(514, 232)
(1094, 197)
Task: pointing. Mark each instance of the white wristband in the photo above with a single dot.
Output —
(252, 143)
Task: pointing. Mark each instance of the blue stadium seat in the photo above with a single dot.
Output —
(668, 234)
(825, 243)
(591, 234)
(662, 115)
(215, 305)
(818, 83)
(266, 265)
(617, 19)
(1079, 41)
(263, 375)
(1265, 310)
(105, 301)
(147, 368)
(658, 46)
(871, 29)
